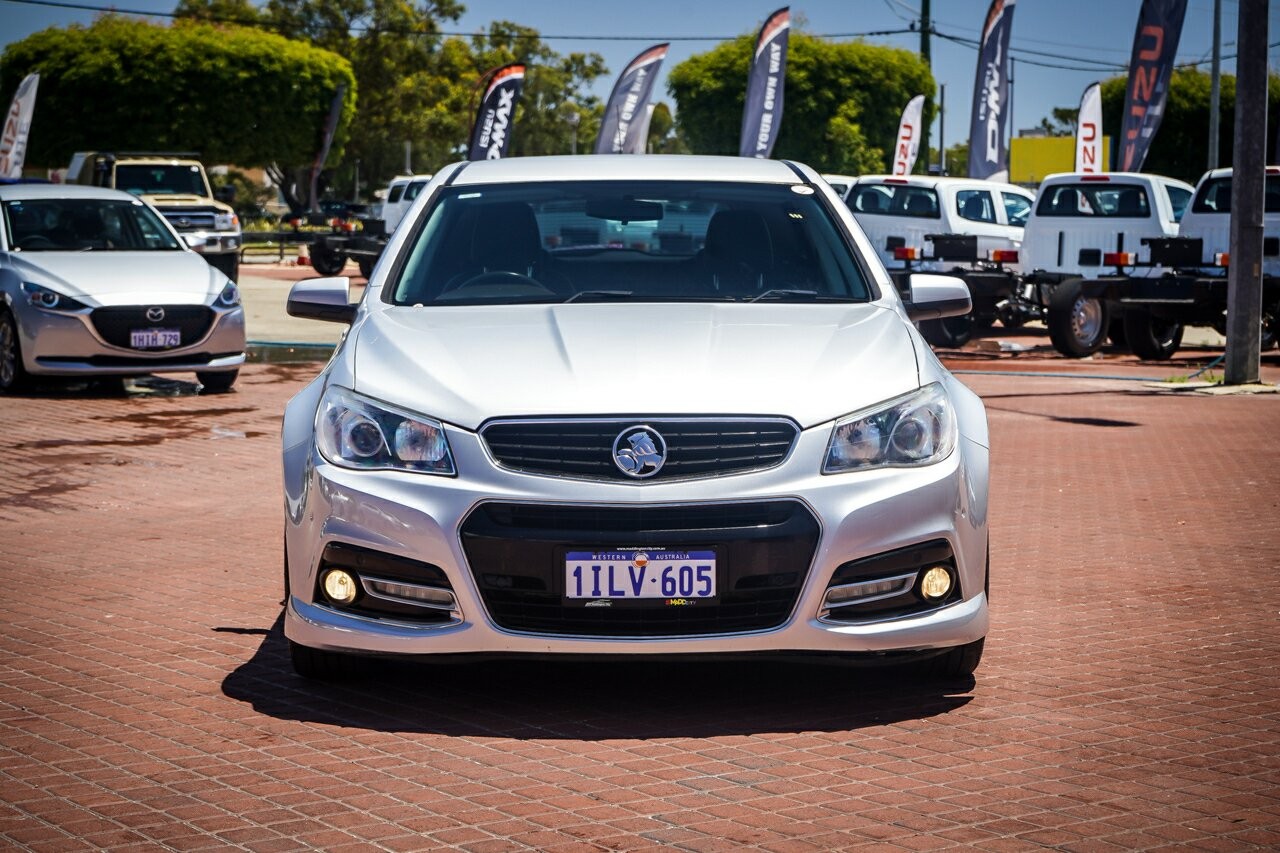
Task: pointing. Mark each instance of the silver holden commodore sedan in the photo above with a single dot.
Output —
(632, 406)
(93, 282)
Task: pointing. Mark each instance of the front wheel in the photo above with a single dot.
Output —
(13, 376)
(217, 381)
(1077, 322)
(957, 662)
(948, 332)
(326, 261)
(1151, 338)
(321, 665)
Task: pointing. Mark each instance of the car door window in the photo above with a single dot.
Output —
(1178, 199)
(1016, 209)
(975, 205)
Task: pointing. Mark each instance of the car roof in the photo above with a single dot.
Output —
(1103, 177)
(939, 181)
(617, 167)
(37, 191)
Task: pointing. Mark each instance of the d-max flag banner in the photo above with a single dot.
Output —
(491, 134)
(330, 127)
(762, 113)
(1150, 66)
(1089, 130)
(907, 146)
(988, 149)
(17, 127)
(640, 139)
(625, 111)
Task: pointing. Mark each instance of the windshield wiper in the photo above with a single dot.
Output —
(599, 294)
(780, 292)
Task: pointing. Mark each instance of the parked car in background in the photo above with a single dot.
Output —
(94, 282)
(841, 184)
(733, 442)
(401, 193)
(967, 228)
(1088, 231)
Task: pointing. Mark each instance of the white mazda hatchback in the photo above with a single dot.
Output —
(617, 406)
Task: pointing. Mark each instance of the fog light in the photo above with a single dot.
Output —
(936, 583)
(340, 587)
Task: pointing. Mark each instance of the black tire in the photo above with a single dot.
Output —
(326, 261)
(321, 665)
(13, 376)
(366, 266)
(228, 264)
(1077, 323)
(1115, 333)
(1151, 338)
(217, 381)
(948, 332)
(955, 663)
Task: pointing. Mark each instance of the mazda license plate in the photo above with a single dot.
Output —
(637, 574)
(155, 338)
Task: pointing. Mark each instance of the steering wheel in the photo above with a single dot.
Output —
(36, 241)
(496, 277)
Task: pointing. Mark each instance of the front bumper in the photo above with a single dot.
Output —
(214, 242)
(423, 518)
(62, 343)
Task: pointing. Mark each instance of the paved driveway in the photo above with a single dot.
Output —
(1130, 697)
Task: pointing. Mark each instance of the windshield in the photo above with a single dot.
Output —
(654, 241)
(84, 224)
(895, 200)
(161, 179)
(1215, 196)
(1094, 199)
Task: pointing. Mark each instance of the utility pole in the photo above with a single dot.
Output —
(926, 26)
(1215, 84)
(942, 131)
(1244, 278)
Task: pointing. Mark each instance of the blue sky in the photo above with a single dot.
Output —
(1079, 34)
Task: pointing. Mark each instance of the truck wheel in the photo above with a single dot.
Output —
(1077, 323)
(327, 261)
(1151, 338)
(13, 376)
(947, 332)
(366, 267)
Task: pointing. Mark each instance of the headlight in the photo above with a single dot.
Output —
(52, 300)
(230, 296)
(918, 429)
(356, 432)
(225, 221)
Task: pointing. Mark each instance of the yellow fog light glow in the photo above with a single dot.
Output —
(936, 583)
(340, 587)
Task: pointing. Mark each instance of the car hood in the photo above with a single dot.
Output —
(123, 278)
(466, 365)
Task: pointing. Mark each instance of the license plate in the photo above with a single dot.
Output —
(155, 338)
(634, 574)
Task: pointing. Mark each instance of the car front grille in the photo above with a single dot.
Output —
(186, 219)
(516, 553)
(695, 448)
(114, 323)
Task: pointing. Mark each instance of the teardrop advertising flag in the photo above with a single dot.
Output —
(625, 111)
(326, 141)
(907, 146)
(1155, 43)
(491, 133)
(1089, 130)
(17, 127)
(762, 112)
(988, 147)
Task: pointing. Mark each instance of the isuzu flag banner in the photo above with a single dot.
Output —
(625, 112)
(907, 145)
(1150, 66)
(1089, 130)
(491, 134)
(762, 113)
(326, 141)
(17, 127)
(640, 139)
(988, 149)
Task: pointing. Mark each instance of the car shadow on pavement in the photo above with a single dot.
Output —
(593, 700)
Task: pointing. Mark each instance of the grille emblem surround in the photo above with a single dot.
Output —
(639, 451)
(155, 314)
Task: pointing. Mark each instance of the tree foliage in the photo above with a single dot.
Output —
(1181, 145)
(235, 95)
(843, 101)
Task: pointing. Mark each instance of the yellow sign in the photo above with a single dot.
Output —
(1031, 158)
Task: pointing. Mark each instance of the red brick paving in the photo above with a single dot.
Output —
(1129, 699)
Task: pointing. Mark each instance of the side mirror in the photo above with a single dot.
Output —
(326, 299)
(937, 296)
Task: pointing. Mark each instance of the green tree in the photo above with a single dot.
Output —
(236, 95)
(1180, 148)
(843, 101)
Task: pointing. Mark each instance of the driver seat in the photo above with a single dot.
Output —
(507, 239)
